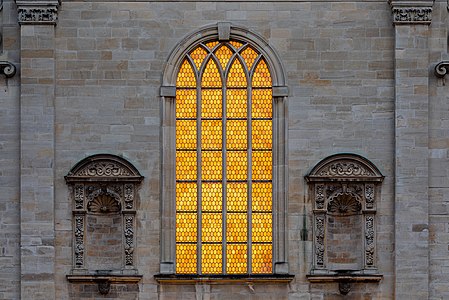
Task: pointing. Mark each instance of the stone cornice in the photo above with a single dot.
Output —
(412, 12)
(37, 12)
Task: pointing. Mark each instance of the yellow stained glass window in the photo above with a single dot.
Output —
(224, 217)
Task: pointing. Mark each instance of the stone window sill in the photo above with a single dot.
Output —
(222, 279)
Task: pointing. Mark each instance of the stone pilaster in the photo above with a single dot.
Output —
(411, 20)
(37, 41)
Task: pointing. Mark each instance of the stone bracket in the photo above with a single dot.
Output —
(344, 280)
(7, 69)
(442, 68)
(104, 281)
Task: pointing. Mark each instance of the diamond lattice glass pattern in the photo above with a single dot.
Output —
(262, 77)
(236, 196)
(185, 165)
(236, 76)
(211, 227)
(262, 165)
(185, 103)
(261, 134)
(262, 258)
(211, 135)
(236, 104)
(211, 259)
(236, 227)
(186, 227)
(236, 258)
(186, 134)
(198, 55)
(212, 194)
(186, 258)
(223, 54)
(211, 103)
(262, 103)
(236, 165)
(211, 165)
(186, 196)
(186, 77)
(261, 227)
(249, 55)
(236, 138)
(261, 200)
(211, 76)
(209, 248)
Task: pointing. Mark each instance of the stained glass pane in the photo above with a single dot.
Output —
(262, 227)
(262, 165)
(262, 196)
(186, 227)
(211, 134)
(236, 165)
(211, 259)
(211, 165)
(185, 103)
(212, 195)
(211, 101)
(236, 138)
(186, 196)
(236, 258)
(186, 77)
(237, 196)
(236, 103)
(262, 134)
(211, 45)
(261, 76)
(186, 258)
(262, 258)
(186, 134)
(236, 44)
(198, 55)
(236, 227)
(236, 76)
(211, 77)
(211, 231)
(262, 103)
(223, 54)
(249, 55)
(185, 165)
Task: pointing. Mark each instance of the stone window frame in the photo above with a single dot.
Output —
(88, 180)
(223, 31)
(357, 176)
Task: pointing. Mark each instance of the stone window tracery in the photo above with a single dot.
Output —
(344, 190)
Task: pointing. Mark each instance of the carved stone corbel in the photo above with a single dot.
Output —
(7, 69)
(412, 12)
(37, 12)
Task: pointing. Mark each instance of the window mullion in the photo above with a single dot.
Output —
(224, 179)
(250, 175)
(199, 249)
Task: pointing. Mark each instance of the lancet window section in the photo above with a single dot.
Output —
(224, 161)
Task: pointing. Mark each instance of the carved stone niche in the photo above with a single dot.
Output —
(344, 190)
(103, 192)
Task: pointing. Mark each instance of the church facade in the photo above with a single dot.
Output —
(224, 149)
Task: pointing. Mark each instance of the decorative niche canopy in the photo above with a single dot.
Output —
(344, 191)
(103, 191)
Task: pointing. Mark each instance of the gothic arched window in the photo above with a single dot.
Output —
(224, 169)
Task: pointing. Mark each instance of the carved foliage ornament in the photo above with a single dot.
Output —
(37, 15)
(319, 239)
(344, 204)
(410, 15)
(345, 168)
(79, 241)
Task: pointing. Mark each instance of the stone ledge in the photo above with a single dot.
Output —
(104, 281)
(344, 280)
(222, 279)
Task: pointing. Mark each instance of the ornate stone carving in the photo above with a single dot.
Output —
(344, 204)
(410, 15)
(442, 68)
(319, 196)
(319, 240)
(369, 196)
(104, 286)
(129, 196)
(345, 169)
(369, 241)
(129, 240)
(37, 15)
(79, 241)
(344, 287)
(79, 196)
(104, 169)
(104, 203)
(7, 68)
